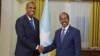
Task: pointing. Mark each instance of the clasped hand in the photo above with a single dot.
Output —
(40, 49)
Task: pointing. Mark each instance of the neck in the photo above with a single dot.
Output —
(65, 26)
(29, 16)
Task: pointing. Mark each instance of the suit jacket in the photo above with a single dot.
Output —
(70, 46)
(27, 40)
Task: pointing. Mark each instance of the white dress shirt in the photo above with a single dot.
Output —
(66, 29)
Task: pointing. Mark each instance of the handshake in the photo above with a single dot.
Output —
(40, 48)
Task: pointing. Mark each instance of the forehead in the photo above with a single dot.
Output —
(30, 4)
(63, 15)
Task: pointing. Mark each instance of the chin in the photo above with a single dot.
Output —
(31, 15)
(64, 25)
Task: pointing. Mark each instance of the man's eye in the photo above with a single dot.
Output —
(30, 7)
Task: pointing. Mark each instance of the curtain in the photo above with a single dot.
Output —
(95, 25)
(52, 53)
(39, 8)
(80, 18)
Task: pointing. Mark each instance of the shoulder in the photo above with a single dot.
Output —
(21, 18)
(74, 29)
(58, 30)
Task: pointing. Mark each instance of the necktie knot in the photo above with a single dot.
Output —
(31, 21)
(63, 29)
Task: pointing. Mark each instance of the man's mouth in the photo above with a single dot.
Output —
(31, 12)
(64, 23)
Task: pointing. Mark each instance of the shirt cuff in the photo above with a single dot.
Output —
(37, 47)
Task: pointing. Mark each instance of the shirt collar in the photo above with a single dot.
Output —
(29, 18)
(66, 27)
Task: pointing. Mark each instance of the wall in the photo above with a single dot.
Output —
(6, 21)
(10, 11)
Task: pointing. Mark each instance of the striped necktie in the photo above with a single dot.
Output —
(62, 35)
(31, 22)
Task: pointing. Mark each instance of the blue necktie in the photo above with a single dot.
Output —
(31, 22)
(62, 35)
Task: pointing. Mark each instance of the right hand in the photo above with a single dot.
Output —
(40, 49)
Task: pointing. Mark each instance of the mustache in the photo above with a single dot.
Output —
(64, 22)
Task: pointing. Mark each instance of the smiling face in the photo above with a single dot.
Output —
(64, 19)
(30, 9)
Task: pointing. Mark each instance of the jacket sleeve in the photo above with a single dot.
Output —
(22, 37)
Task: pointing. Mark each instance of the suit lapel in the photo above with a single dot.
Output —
(28, 22)
(59, 38)
(36, 26)
(35, 23)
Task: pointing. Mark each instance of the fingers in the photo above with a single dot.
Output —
(40, 49)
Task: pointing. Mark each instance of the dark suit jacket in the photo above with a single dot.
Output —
(71, 45)
(27, 39)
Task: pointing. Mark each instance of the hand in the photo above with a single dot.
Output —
(40, 49)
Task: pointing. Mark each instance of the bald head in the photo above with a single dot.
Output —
(30, 3)
(64, 14)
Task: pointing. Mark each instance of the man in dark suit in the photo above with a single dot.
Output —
(27, 29)
(67, 40)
